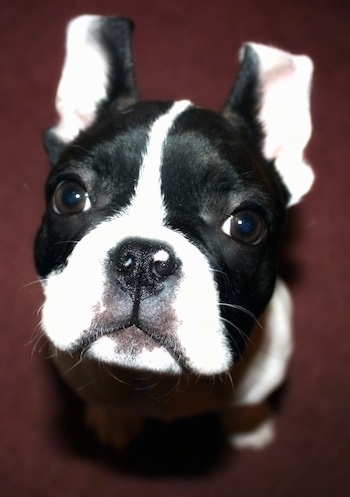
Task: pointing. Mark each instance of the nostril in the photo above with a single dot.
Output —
(164, 264)
(126, 263)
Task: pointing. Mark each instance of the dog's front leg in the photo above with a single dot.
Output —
(263, 368)
(112, 426)
(105, 396)
(249, 427)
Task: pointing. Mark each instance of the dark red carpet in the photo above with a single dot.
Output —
(182, 49)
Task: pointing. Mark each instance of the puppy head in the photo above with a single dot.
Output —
(158, 246)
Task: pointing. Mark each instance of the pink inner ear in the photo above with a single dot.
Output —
(285, 105)
(84, 78)
(285, 115)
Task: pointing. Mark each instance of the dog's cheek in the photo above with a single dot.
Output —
(71, 301)
(201, 331)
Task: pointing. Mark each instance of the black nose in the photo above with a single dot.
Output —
(142, 267)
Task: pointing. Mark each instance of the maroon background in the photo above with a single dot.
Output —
(182, 49)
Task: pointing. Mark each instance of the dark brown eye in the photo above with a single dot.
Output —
(246, 226)
(70, 198)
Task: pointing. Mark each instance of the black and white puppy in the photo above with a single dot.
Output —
(158, 248)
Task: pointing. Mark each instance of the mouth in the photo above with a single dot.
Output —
(133, 346)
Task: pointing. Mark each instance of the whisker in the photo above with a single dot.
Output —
(177, 388)
(237, 328)
(37, 331)
(66, 242)
(106, 368)
(227, 375)
(79, 361)
(79, 147)
(243, 309)
(218, 271)
(38, 335)
(86, 385)
(52, 355)
(38, 312)
(244, 335)
(41, 337)
(31, 283)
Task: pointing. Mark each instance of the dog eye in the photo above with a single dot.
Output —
(245, 226)
(70, 198)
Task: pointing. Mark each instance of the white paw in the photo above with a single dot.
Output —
(249, 427)
(257, 439)
(113, 427)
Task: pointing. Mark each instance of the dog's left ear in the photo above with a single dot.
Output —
(272, 93)
(97, 71)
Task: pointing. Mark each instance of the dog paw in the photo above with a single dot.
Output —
(249, 427)
(258, 439)
(113, 427)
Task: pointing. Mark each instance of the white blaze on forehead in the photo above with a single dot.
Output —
(147, 203)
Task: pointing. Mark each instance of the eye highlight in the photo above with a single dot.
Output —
(245, 226)
(70, 198)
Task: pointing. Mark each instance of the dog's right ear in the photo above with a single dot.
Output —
(97, 71)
